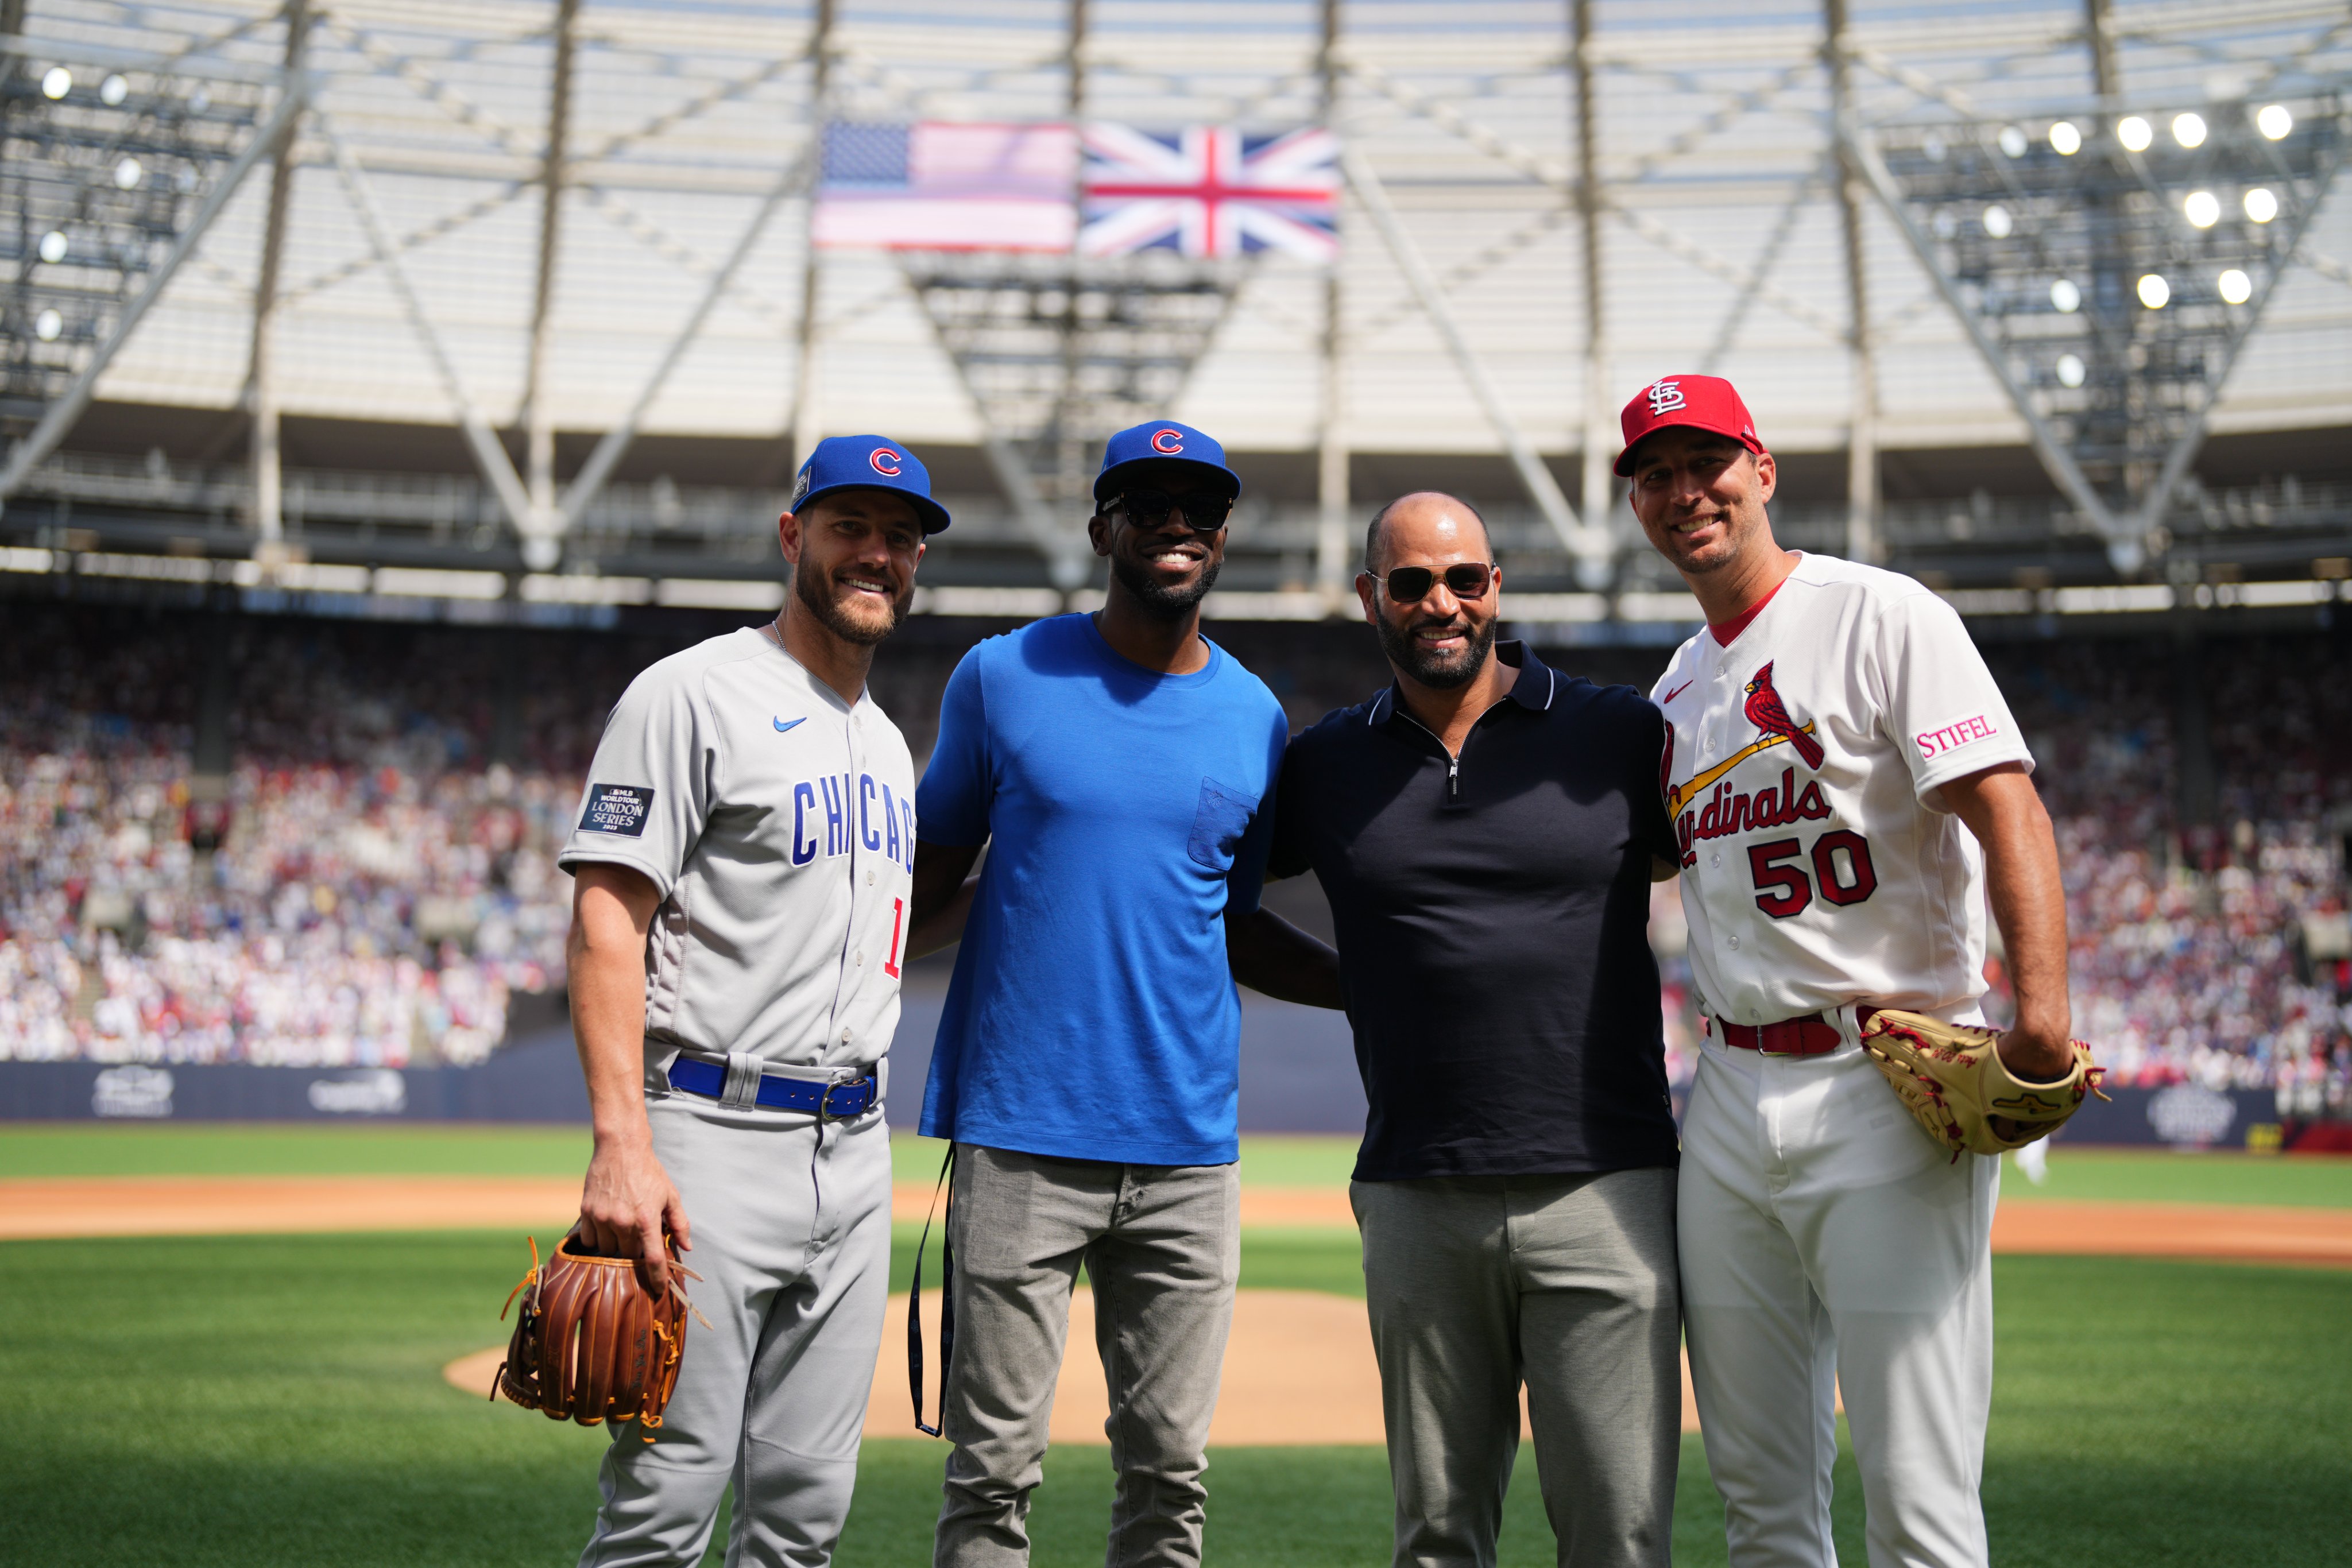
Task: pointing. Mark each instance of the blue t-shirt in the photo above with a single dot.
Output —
(1092, 1015)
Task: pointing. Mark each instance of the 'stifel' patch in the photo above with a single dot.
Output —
(617, 809)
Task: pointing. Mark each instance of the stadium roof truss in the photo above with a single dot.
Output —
(518, 217)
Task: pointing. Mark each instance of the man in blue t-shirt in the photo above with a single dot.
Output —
(1119, 768)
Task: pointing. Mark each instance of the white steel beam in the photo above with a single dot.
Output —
(1861, 540)
(496, 467)
(1583, 542)
(58, 418)
(261, 362)
(2191, 440)
(2055, 459)
(538, 416)
(1331, 573)
(1592, 569)
(806, 424)
(599, 466)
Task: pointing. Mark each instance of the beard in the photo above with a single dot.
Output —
(834, 616)
(1443, 671)
(1158, 599)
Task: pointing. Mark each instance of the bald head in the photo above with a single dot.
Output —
(1426, 523)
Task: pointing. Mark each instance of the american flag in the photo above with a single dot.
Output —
(1211, 190)
(931, 186)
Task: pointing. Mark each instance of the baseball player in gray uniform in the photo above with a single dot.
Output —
(744, 860)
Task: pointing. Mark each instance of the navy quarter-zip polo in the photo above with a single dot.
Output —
(1492, 912)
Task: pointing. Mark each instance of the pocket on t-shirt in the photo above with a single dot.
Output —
(1218, 826)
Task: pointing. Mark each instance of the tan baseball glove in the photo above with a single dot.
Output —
(591, 1341)
(1954, 1081)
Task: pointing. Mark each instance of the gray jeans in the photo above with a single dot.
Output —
(1567, 1282)
(1161, 1245)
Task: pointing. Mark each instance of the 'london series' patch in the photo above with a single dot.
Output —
(617, 809)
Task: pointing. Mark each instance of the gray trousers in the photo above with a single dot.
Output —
(1161, 1245)
(792, 1242)
(1567, 1282)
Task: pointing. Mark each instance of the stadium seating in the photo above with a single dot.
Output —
(386, 880)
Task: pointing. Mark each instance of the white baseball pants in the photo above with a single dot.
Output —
(792, 1242)
(1828, 1246)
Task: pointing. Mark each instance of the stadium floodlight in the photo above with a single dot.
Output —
(2065, 139)
(2274, 121)
(128, 173)
(2065, 297)
(2188, 129)
(47, 324)
(2261, 205)
(2134, 132)
(112, 91)
(55, 82)
(1997, 221)
(2153, 291)
(2235, 287)
(2013, 141)
(2202, 208)
(2071, 369)
(54, 246)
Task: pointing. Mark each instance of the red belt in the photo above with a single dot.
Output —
(1812, 1035)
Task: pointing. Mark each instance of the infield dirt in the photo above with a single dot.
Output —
(1298, 1372)
(40, 1207)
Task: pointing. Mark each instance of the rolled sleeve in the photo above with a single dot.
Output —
(650, 787)
(1944, 710)
(952, 801)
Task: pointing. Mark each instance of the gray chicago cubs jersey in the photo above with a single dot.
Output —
(778, 823)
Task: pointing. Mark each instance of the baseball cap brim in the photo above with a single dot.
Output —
(1623, 466)
(1109, 480)
(934, 515)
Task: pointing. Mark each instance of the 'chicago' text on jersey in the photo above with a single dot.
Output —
(835, 813)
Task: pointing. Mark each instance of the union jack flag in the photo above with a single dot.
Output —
(1211, 190)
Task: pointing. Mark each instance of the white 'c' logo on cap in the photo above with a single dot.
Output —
(885, 460)
(1665, 397)
(1168, 440)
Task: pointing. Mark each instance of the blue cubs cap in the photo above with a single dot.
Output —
(1162, 441)
(867, 463)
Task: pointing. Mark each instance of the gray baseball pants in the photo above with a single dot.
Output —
(1161, 1245)
(791, 1238)
(1566, 1282)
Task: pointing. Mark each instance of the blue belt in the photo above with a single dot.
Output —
(827, 1101)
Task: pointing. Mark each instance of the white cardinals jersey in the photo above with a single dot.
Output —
(1802, 768)
(778, 823)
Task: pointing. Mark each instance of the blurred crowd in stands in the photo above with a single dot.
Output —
(374, 883)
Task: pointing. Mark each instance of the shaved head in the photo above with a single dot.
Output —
(1433, 521)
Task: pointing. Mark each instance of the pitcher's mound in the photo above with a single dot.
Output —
(1298, 1370)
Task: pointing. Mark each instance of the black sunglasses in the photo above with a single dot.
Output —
(1411, 584)
(1149, 509)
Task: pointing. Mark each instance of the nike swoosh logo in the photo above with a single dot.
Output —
(782, 726)
(1672, 694)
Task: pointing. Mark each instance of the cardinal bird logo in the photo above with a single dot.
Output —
(1769, 714)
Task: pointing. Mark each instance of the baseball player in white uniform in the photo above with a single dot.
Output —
(744, 859)
(1846, 785)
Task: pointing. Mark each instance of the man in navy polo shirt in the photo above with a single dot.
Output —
(1120, 769)
(1486, 829)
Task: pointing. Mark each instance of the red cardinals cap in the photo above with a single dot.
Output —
(1702, 403)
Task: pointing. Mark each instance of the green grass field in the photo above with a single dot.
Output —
(80, 1149)
(277, 1399)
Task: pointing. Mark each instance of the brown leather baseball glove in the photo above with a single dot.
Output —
(591, 1341)
(1954, 1081)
